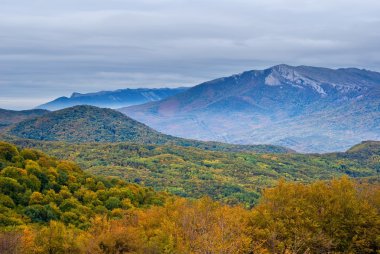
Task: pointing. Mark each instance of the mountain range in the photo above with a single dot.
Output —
(112, 99)
(309, 109)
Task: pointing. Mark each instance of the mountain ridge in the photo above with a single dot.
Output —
(242, 108)
(112, 99)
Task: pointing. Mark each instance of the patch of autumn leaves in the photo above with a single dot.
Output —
(323, 217)
(338, 216)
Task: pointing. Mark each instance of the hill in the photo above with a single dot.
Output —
(308, 109)
(366, 147)
(9, 117)
(92, 124)
(87, 124)
(366, 150)
(113, 99)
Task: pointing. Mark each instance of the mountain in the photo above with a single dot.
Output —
(85, 123)
(113, 99)
(9, 117)
(309, 109)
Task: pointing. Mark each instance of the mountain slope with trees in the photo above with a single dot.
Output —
(92, 124)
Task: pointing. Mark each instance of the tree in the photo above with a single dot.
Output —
(323, 216)
(7, 151)
(57, 238)
(112, 203)
(36, 198)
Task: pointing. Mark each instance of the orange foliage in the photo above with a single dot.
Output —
(338, 216)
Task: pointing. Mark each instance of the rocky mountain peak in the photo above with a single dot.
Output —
(283, 74)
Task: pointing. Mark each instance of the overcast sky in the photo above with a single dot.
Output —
(51, 48)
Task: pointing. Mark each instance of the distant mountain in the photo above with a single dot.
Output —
(9, 117)
(80, 124)
(309, 109)
(113, 99)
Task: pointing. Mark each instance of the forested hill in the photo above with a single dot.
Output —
(92, 124)
(366, 149)
(37, 188)
(87, 124)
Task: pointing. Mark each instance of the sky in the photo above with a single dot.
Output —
(51, 48)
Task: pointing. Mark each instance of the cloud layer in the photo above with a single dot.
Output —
(52, 48)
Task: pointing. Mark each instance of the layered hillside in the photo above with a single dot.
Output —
(92, 124)
(190, 172)
(113, 99)
(9, 117)
(306, 108)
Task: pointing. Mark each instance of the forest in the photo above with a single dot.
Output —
(230, 177)
(52, 206)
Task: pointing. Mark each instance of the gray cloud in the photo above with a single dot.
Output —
(52, 48)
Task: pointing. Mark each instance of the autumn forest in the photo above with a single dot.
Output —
(52, 206)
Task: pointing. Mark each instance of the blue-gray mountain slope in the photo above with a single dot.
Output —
(113, 99)
(309, 109)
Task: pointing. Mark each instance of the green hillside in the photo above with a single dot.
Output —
(366, 149)
(192, 172)
(86, 124)
(36, 188)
